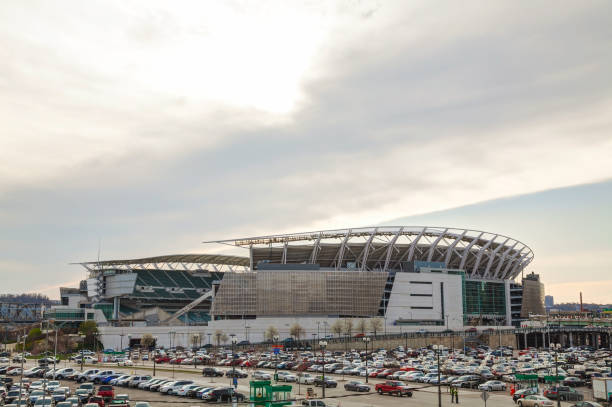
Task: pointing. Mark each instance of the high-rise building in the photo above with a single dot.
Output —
(549, 301)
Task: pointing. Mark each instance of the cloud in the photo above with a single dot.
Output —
(156, 127)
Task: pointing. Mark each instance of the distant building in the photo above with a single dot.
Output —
(533, 296)
(549, 301)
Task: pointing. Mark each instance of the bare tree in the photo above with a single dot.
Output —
(337, 327)
(376, 324)
(296, 331)
(195, 340)
(347, 324)
(270, 333)
(219, 337)
(224, 338)
(147, 341)
(361, 326)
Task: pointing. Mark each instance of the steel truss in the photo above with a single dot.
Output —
(386, 248)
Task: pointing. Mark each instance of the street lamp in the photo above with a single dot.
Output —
(21, 374)
(275, 338)
(154, 356)
(172, 333)
(234, 379)
(557, 347)
(365, 341)
(323, 345)
(196, 338)
(438, 350)
(55, 346)
(82, 346)
(129, 346)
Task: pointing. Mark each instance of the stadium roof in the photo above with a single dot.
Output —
(188, 262)
(386, 248)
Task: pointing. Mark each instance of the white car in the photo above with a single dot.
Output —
(306, 378)
(125, 362)
(84, 377)
(52, 385)
(15, 372)
(170, 388)
(5, 360)
(259, 375)
(492, 385)
(63, 373)
(183, 390)
(136, 380)
(115, 381)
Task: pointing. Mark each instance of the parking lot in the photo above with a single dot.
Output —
(413, 369)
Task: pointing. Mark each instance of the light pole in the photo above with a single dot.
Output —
(234, 379)
(129, 345)
(196, 339)
(21, 374)
(323, 345)
(154, 356)
(275, 338)
(365, 341)
(121, 346)
(171, 333)
(556, 347)
(82, 346)
(55, 346)
(438, 350)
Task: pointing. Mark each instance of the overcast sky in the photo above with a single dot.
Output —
(152, 126)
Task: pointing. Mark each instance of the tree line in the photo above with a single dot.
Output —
(27, 298)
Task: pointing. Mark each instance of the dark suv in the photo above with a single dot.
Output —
(327, 382)
(236, 373)
(223, 394)
(211, 372)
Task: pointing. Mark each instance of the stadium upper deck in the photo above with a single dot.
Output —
(388, 248)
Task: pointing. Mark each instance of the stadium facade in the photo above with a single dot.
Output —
(409, 277)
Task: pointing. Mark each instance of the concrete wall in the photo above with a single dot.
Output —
(414, 293)
(111, 336)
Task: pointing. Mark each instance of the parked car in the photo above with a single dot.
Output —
(573, 381)
(563, 393)
(106, 391)
(522, 393)
(393, 387)
(492, 385)
(212, 372)
(327, 382)
(224, 394)
(236, 373)
(535, 401)
(356, 386)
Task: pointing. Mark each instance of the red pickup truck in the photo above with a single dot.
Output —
(162, 359)
(393, 387)
(106, 392)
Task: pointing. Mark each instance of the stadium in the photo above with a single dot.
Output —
(410, 277)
